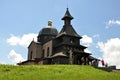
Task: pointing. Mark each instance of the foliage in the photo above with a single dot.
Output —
(55, 72)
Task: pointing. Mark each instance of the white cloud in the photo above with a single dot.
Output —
(111, 51)
(88, 51)
(86, 40)
(13, 40)
(112, 22)
(15, 57)
(23, 40)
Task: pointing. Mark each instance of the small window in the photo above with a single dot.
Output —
(71, 40)
(60, 39)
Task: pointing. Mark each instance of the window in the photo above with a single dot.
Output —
(42, 56)
(31, 55)
(60, 39)
(48, 51)
(71, 40)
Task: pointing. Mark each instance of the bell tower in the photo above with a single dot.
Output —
(68, 37)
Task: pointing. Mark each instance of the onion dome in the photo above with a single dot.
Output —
(47, 32)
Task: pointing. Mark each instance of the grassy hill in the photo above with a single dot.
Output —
(55, 72)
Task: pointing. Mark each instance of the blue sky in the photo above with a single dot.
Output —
(98, 21)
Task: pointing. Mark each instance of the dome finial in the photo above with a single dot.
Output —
(49, 23)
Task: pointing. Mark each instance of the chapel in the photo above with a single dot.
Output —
(53, 47)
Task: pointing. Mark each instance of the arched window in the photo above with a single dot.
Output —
(43, 51)
(48, 51)
(31, 55)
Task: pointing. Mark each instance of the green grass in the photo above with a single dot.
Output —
(55, 72)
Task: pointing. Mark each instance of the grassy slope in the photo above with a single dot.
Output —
(55, 72)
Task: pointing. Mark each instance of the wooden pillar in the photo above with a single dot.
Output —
(70, 57)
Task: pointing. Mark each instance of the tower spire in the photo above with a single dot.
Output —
(67, 27)
(67, 17)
